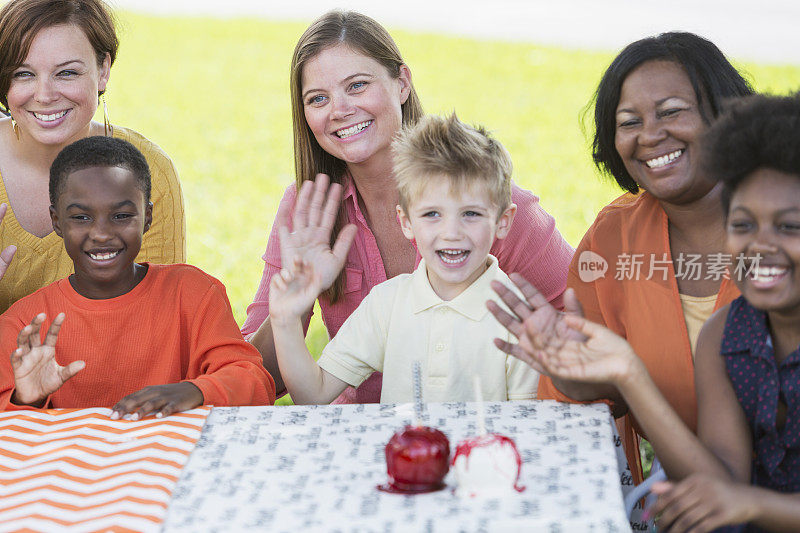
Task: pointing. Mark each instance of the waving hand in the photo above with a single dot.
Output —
(534, 321)
(36, 372)
(312, 224)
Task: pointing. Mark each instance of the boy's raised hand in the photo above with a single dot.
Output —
(161, 400)
(293, 292)
(315, 213)
(37, 375)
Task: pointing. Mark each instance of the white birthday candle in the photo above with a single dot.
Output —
(418, 393)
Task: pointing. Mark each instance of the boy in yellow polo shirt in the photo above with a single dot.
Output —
(454, 185)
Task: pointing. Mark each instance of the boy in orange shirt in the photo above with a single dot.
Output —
(161, 337)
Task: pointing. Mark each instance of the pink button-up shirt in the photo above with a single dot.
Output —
(533, 247)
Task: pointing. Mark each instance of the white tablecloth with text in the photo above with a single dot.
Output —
(316, 468)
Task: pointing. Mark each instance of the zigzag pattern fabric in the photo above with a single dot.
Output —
(78, 470)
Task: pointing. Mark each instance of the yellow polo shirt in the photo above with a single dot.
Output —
(403, 320)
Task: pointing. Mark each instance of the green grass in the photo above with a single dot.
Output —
(214, 95)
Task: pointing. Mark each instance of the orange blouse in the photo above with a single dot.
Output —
(637, 298)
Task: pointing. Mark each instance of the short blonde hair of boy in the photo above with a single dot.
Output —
(445, 146)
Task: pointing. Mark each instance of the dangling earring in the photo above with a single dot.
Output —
(15, 127)
(106, 122)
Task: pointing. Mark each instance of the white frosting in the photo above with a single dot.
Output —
(490, 468)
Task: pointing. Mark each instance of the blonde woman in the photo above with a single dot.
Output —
(351, 93)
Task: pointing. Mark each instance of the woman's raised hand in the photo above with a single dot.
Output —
(600, 356)
(564, 345)
(315, 213)
(8, 253)
(534, 321)
(576, 354)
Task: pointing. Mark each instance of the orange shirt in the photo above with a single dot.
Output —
(647, 312)
(175, 325)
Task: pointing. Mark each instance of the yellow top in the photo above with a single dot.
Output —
(41, 261)
(402, 319)
(696, 310)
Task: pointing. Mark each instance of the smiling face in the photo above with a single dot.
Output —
(101, 214)
(454, 231)
(53, 94)
(658, 130)
(352, 104)
(764, 219)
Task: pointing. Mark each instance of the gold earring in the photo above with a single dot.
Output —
(15, 127)
(106, 122)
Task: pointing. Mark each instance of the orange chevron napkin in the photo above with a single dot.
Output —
(78, 470)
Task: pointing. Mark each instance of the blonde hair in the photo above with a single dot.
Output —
(365, 36)
(465, 155)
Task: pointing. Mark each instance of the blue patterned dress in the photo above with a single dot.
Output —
(759, 382)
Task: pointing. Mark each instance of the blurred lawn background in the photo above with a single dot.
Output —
(213, 93)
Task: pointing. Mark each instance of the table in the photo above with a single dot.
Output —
(315, 468)
(78, 470)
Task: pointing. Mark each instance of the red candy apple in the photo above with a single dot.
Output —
(417, 459)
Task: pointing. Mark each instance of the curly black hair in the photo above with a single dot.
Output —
(755, 132)
(712, 76)
(98, 152)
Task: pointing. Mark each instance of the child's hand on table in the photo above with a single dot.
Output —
(161, 400)
(37, 375)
